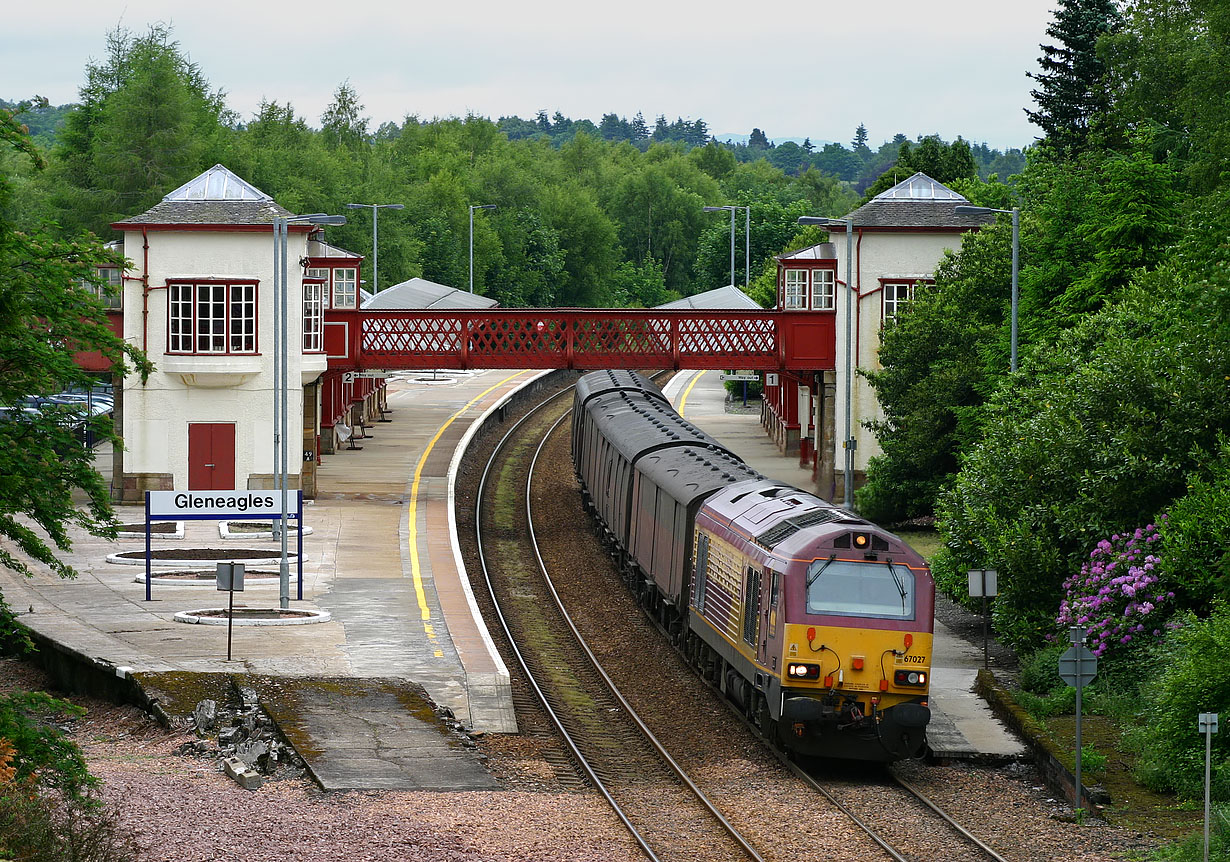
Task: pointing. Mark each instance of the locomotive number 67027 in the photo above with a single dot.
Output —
(816, 623)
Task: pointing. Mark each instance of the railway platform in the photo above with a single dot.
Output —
(381, 560)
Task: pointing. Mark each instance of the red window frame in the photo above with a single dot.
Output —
(228, 301)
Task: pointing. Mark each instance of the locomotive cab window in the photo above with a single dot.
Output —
(851, 588)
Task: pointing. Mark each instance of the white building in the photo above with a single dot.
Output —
(899, 237)
(198, 299)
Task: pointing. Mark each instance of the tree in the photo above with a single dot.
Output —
(1072, 90)
(147, 122)
(342, 122)
(1100, 434)
(49, 308)
(859, 144)
(640, 130)
(758, 140)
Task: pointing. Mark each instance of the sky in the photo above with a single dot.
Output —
(793, 69)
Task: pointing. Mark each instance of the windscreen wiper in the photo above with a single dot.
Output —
(900, 582)
(820, 571)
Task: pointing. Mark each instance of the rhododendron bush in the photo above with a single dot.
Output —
(1116, 596)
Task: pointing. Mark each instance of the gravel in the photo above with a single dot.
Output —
(183, 809)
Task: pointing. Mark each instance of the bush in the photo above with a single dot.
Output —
(1116, 596)
(1040, 670)
(1196, 535)
(40, 750)
(39, 825)
(1188, 677)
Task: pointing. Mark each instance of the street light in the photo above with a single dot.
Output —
(747, 237)
(1015, 212)
(850, 443)
(281, 356)
(472, 209)
(375, 208)
(732, 237)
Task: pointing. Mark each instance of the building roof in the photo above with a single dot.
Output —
(421, 293)
(918, 202)
(819, 251)
(216, 197)
(728, 297)
(319, 248)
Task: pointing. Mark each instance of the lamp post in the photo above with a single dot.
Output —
(281, 356)
(1015, 212)
(747, 239)
(472, 209)
(849, 443)
(732, 237)
(375, 208)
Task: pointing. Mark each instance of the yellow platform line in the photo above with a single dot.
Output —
(415, 569)
(688, 391)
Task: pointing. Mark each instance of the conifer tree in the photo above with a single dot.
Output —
(1071, 91)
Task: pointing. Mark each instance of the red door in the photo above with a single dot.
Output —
(211, 456)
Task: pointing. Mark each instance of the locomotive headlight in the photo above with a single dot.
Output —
(910, 677)
(803, 671)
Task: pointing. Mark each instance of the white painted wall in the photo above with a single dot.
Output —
(886, 254)
(226, 389)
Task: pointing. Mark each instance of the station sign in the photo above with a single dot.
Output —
(204, 505)
(746, 376)
(352, 376)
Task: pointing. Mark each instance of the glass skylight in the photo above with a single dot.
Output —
(217, 184)
(919, 187)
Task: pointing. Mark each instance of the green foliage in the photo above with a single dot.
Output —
(1100, 436)
(1187, 677)
(1040, 669)
(1196, 536)
(38, 825)
(49, 307)
(1191, 848)
(943, 162)
(147, 122)
(28, 720)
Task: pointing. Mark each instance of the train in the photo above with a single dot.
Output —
(815, 623)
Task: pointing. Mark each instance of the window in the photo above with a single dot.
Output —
(796, 289)
(323, 275)
(313, 316)
(847, 588)
(897, 296)
(214, 317)
(345, 282)
(110, 294)
(823, 289)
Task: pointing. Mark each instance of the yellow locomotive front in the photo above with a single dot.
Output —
(856, 651)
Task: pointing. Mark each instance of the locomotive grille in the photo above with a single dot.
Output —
(771, 538)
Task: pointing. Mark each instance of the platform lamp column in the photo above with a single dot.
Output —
(1015, 212)
(281, 231)
(472, 209)
(732, 236)
(851, 297)
(375, 208)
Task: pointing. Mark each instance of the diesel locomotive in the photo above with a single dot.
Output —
(817, 624)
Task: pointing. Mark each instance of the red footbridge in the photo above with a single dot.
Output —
(796, 345)
(582, 339)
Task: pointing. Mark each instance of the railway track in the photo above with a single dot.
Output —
(663, 809)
